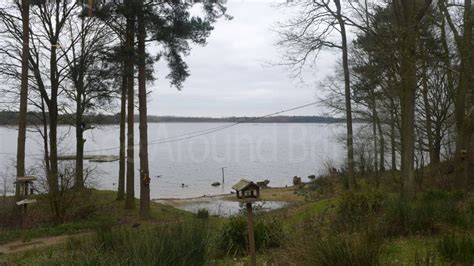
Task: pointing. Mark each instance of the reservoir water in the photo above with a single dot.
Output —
(273, 151)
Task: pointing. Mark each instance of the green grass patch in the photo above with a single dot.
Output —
(457, 249)
(310, 210)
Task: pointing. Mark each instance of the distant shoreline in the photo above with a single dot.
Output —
(11, 119)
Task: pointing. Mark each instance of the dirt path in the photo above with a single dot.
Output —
(19, 246)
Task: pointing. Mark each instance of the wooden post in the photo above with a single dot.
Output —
(23, 213)
(222, 174)
(253, 256)
(23, 223)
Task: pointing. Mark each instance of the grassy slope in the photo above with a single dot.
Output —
(398, 251)
(109, 211)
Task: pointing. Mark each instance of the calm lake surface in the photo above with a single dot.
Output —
(275, 151)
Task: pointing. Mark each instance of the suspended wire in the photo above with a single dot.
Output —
(195, 134)
(199, 133)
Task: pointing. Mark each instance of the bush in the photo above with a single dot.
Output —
(233, 236)
(457, 249)
(355, 209)
(443, 205)
(403, 218)
(269, 234)
(424, 214)
(340, 249)
(466, 218)
(322, 186)
(202, 214)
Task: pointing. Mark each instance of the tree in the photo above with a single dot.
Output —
(48, 73)
(90, 75)
(142, 99)
(25, 20)
(408, 14)
(463, 104)
(309, 32)
(129, 72)
(123, 115)
(172, 26)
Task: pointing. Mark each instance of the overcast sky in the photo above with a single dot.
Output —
(233, 76)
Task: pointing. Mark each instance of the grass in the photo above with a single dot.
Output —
(107, 211)
(343, 249)
(307, 211)
(61, 229)
(403, 250)
(459, 249)
(402, 233)
(232, 238)
(180, 243)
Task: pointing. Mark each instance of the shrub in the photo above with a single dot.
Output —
(269, 234)
(457, 248)
(356, 208)
(466, 218)
(340, 249)
(323, 186)
(403, 218)
(422, 215)
(443, 205)
(233, 236)
(202, 214)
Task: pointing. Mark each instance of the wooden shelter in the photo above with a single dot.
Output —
(247, 190)
(24, 182)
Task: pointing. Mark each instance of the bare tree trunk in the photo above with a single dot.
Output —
(130, 196)
(21, 145)
(123, 114)
(80, 126)
(406, 18)
(392, 142)
(464, 45)
(347, 92)
(374, 133)
(45, 138)
(429, 129)
(381, 145)
(79, 182)
(463, 104)
(53, 138)
(142, 96)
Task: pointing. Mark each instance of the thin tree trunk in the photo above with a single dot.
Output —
(382, 146)
(79, 182)
(80, 125)
(409, 84)
(392, 141)
(347, 92)
(130, 196)
(45, 139)
(142, 96)
(21, 145)
(374, 133)
(53, 138)
(464, 45)
(123, 114)
(429, 129)
(463, 155)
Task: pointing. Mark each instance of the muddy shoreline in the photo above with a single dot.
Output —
(272, 198)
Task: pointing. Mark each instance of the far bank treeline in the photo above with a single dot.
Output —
(11, 118)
